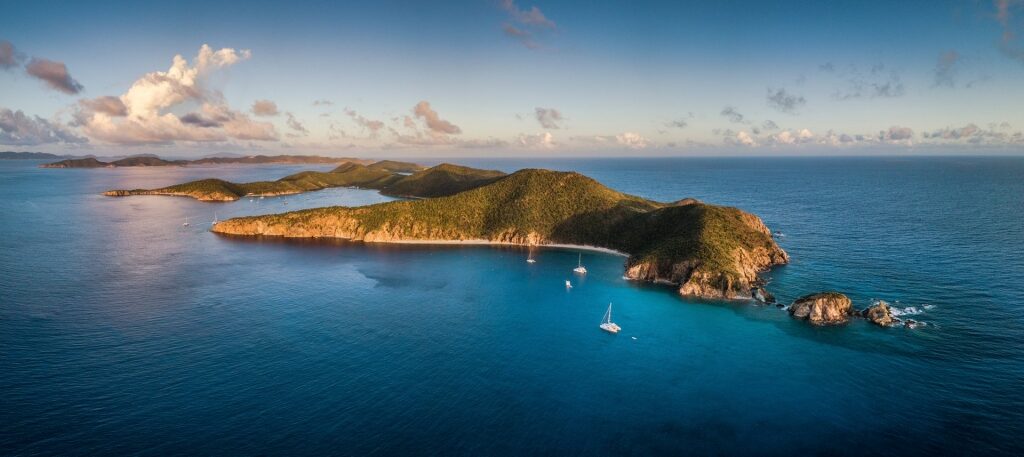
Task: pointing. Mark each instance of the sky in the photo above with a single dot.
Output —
(513, 78)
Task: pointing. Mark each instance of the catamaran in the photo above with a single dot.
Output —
(607, 324)
(579, 266)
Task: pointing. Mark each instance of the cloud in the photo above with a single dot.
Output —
(54, 74)
(827, 67)
(111, 106)
(434, 122)
(548, 117)
(531, 23)
(295, 125)
(147, 117)
(370, 125)
(323, 102)
(9, 57)
(541, 140)
(785, 102)
(769, 125)
(1006, 15)
(18, 129)
(732, 115)
(632, 140)
(199, 121)
(877, 82)
(679, 124)
(264, 108)
(945, 69)
(524, 37)
(896, 134)
(533, 16)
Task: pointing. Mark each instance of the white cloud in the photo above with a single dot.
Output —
(541, 140)
(150, 101)
(632, 140)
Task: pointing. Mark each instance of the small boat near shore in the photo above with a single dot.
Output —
(579, 266)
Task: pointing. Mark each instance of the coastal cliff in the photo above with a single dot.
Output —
(706, 250)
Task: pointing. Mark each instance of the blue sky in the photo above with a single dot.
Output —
(513, 78)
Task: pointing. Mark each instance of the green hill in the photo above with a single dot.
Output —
(707, 250)
(396, 167)
(432, 182)
(444, 179)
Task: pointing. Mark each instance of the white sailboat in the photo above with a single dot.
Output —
(568, 285)
(607, 324)
(579, 266)
(529, 257)
(214, 218)
(186, 222)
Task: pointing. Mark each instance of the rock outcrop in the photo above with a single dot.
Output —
(825, 308)
(879, 314)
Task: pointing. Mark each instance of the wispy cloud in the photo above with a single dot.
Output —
(9, 57)
(531, 23)
(730, 113)
(548, 117)
(264, 108)
(877, 82)
(295, 125)
(783, 101)
(54, 74)
(945, 69)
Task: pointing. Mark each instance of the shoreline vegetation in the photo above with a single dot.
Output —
(705, 250)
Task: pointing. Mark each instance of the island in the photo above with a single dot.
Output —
(399, 179)
(702, 250)
(14, 155)
(154, 161)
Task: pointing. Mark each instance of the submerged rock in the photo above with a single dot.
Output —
(879, 313)
(824, 308)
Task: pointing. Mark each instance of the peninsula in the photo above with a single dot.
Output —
(704, 250)
(400, 179)
(153, 161)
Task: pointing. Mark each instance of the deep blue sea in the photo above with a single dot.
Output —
(124, 332)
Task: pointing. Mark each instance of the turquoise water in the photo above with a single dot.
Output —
(122, 331)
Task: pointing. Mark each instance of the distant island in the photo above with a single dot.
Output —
(12, 155)
(704, 250)
(153, 161)
(400, 179)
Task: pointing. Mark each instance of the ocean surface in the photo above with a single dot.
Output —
(123, 331)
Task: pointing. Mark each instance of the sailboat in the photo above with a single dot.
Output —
(607, 324)
(568, 285)
(579, 266)
(214, 218)
(186, 222)
(529, 257)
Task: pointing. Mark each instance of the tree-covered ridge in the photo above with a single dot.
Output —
(436, 181)
(708, 250)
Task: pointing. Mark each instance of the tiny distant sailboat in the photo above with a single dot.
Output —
(607, 324)
(529, 257)
(579, 266)
(214, 218)
(568, 285)
(186, 222)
